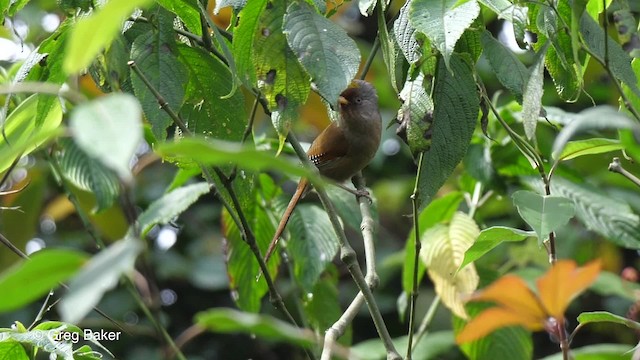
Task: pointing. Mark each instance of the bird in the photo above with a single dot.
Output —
(344, 147)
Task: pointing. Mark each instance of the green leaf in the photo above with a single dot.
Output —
(574, 149)
(229, 321)
(594, 118)
(611, 218)
(99, 275)
(42, 272)
(489, 239)
(281, 78)
(323, 48)
(86, 42)
(88, 175)
(247, 284)
(432, 347)
(21, 136)
(322, 306)
(619, 61)
(391, 53)
(206, 110)
(610, 284)
(405, 35)
(215, 152)
(50, 70)
(443, 21)
(155, 54)
(456, 106)
(544, 213)
(312, 245)
(13, 350)
(188, 12)
(109, 129)
(416, 114)
(505, 9)
(509, 70)
(439, 210)
(244, 34)
(604, 316)
(532, 96)
(170, 205)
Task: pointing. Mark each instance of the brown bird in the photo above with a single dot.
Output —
(344, 147)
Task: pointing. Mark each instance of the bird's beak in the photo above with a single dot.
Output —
(343, 100)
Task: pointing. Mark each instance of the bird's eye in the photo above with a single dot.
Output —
(358, 100)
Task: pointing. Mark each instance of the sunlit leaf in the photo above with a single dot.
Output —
(574, 149)
(442, 253)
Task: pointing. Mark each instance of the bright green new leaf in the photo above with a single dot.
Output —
(97, 31)
(592, 146)
(21, 136)
(109, 129)
(33, 278)
(543, 213)
(489, 239)
(99, 275)
(604, 316)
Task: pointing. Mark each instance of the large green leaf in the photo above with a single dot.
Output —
(244, 35)
(215, 152)
(609, 217)
(594, 118)
(156, 56)
(206, 110)
(170, 205)
(323, 48)
(322, 305)
(544, 213)
(87, 41)
(532, 95)
(405, 35)
(88, 175)
(604, 316)
(33, 278)
(510, 71)
(246, 282)
(230, 321)
(489, 239)
(312, 245)
(109, 129)
(456, 112)
(188, 12)
(443, 21)
(280, 76)
(50, 70)
(98, 276)
(21, 136)
(574, 149)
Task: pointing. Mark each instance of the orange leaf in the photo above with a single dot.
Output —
(513, 293)
(563, 282)
(493, 319)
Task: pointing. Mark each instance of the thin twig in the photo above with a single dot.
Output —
(616, 167)
(339, 327)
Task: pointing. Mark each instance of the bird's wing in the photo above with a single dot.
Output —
(334, 147)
